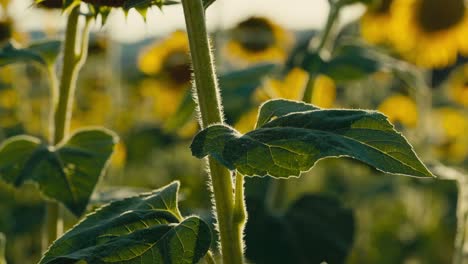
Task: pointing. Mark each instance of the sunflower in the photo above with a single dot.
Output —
(449, 134)
(458, 86)
(400, 109)
(167, 66)
(431, 33)
(377, 22)
(258, 39)
(323, 91)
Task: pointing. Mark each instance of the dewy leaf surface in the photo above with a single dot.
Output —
(144, 229)
(67, 173)
(293, 143)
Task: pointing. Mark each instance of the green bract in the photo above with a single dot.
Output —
(294, 141)
(66, 173)
(143, 229)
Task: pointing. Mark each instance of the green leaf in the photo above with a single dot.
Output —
(207, 3)
(142, 229)
(2, 249)
(351, 62)
(277, 108)
(67, 173)
(291, 144)
(314, 229)
(45, 53)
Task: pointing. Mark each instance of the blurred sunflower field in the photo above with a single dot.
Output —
(90, 125)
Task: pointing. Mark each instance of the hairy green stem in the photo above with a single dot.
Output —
(62, 102)
(210, 111)
(239, 216)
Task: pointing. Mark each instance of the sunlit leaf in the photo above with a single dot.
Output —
(44, 53)
(144, 229)
(291, 144)
(277, 108)
(314, 229)
(67, 173)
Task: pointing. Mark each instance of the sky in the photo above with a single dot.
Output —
(293, 14)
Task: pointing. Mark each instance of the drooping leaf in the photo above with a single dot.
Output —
(44, 53)
(67, 173)
(291, 144)
(314, 229)
(144, 229)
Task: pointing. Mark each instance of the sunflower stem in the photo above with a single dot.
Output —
(210, 112)
(61, 104)
(325, 39)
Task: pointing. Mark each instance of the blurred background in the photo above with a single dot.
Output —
(406, 58)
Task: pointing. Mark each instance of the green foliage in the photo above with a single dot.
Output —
(66, 173)
(293, 142)
(45, 53)
(2, 248)
(313, 229)
(142, 229)
(348, 63)
(239, 86)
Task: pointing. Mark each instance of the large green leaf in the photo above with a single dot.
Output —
(44, 53)
(144, 229)
(314, 229)
(293, 143)
(67, 173)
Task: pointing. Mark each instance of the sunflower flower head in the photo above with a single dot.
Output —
(258, 39)
(119, 156)
(376, 23)
(449, 134)
(291, 87)
(431, 33)
(167, 66)
(168, 59)
(6, 30)
(458, 86)
(323, 91)
(400, 109)
(50, 4)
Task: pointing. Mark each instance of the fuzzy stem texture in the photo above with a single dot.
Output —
(62, 102)
(210, 112)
